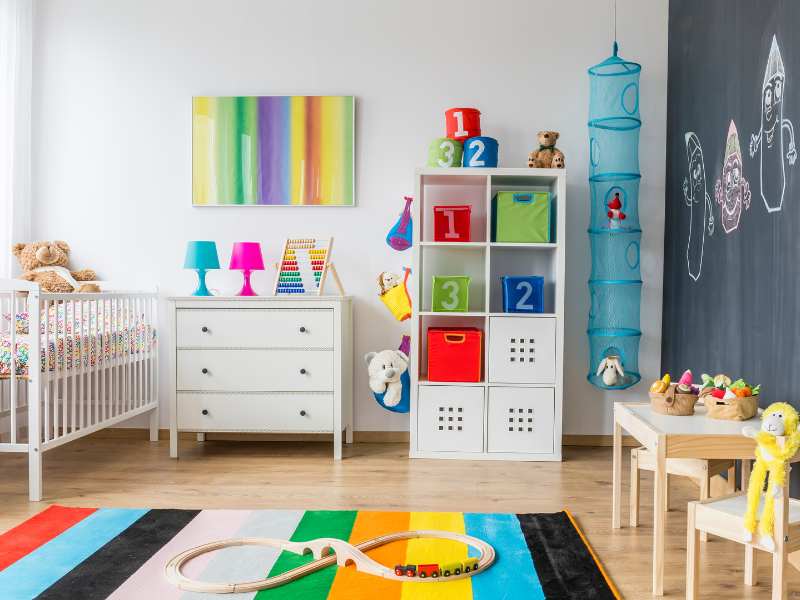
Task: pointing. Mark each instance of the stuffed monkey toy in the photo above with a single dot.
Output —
(779, 419)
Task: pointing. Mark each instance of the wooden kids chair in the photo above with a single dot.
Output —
(700, 470)
(724, 517)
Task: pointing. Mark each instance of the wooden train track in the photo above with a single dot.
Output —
(326, 551)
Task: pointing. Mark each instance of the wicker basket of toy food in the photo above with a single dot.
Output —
(729, 400)
(673, 403)
(729, 409)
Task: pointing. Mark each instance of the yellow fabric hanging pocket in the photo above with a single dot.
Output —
(397, 299)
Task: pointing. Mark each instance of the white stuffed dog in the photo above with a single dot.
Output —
(385, 369)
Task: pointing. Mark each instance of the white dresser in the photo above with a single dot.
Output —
(262, 365)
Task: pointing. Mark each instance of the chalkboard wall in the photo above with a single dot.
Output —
(732, 254)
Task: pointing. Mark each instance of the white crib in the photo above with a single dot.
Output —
(92, 362)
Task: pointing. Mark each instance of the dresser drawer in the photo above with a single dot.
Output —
(255, 370)
(254, 328)
(255, 412)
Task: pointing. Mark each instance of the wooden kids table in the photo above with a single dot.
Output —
(665, 436)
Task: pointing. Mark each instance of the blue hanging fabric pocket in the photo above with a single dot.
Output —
(401, 235)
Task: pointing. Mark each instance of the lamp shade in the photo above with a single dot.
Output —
(201, 255)
(246, 256)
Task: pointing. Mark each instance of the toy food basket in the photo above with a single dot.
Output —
(673, 403)
(730, 409)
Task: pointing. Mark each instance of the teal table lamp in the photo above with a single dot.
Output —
(201, 256)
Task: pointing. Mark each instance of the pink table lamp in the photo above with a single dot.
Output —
(246, 257)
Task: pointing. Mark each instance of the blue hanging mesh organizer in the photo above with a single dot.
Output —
(615, 286)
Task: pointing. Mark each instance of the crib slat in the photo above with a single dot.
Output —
(92, 400)
(13, 368)
(46, 373)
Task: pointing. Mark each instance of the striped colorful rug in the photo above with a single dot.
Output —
(86, 553)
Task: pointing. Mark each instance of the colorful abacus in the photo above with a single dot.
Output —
(303, 266)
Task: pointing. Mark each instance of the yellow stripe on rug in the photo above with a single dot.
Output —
(426, 551)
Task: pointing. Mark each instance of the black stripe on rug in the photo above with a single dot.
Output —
(104, 571)
(566, 568)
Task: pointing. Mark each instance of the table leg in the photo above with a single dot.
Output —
(616, 497)
(659, 516)
(747, 465)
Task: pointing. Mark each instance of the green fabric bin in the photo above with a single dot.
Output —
(522, 217)
(450, 293)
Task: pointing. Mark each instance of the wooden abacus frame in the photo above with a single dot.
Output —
(328, 266)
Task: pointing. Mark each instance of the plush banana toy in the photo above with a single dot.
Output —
(779, 419)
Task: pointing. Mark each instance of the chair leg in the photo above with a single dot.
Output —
(692, 555)
(750, 566)
(705, 494)
(779, 583)
(666, 493)
(634, 502)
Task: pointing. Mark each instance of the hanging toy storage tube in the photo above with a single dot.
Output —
(615, 286)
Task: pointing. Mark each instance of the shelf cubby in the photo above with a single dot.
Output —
(441, 260)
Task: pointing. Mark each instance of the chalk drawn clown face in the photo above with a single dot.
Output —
(701, 216)
(732, 192)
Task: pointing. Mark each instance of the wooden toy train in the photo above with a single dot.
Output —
(433, 569)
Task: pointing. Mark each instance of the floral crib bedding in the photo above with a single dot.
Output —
(79, 334)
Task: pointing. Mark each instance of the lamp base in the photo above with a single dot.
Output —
(247, 289)
(201, 290)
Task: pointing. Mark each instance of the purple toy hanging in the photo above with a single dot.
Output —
(400, 236)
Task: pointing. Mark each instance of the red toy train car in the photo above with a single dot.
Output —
(434, 570)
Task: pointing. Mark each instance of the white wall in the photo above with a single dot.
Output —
(111, 116)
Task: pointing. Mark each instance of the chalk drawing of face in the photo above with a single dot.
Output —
(701, 215)
(732, 192)
(775, 139)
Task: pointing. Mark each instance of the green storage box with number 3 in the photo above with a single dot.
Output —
(521, 217)
(444, 152)
(450, 293)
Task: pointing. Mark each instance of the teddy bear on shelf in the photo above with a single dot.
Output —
(45, 263)
(615, 214)
(547, 156)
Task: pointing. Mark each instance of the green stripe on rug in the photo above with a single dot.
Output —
(314, 524)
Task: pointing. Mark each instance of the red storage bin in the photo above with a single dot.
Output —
(462, 123)
(455, 354)
(451, 223)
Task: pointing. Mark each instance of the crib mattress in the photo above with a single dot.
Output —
(77, 337)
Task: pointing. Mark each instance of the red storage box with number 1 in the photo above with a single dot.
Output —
(451, 223)
(462, 123)
(455, 354)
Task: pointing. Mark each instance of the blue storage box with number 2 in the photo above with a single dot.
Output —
(523, 294)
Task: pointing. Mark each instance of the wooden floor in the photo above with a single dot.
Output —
(137, 473)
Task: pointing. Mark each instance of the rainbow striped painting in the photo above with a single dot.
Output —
(273, 150)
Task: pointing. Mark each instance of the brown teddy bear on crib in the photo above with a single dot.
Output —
(46, 264)
(547, 156)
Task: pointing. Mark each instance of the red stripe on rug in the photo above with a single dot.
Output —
(37, 531)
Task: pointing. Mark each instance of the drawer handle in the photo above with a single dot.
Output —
(204, 371)
(302, 413)
(302, 329)
(204, 329)
(205, 411)
(302, 371)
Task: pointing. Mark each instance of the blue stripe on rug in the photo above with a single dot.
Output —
(34, 573)
(513, 575)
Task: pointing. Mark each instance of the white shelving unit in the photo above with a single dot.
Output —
(515, 411)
